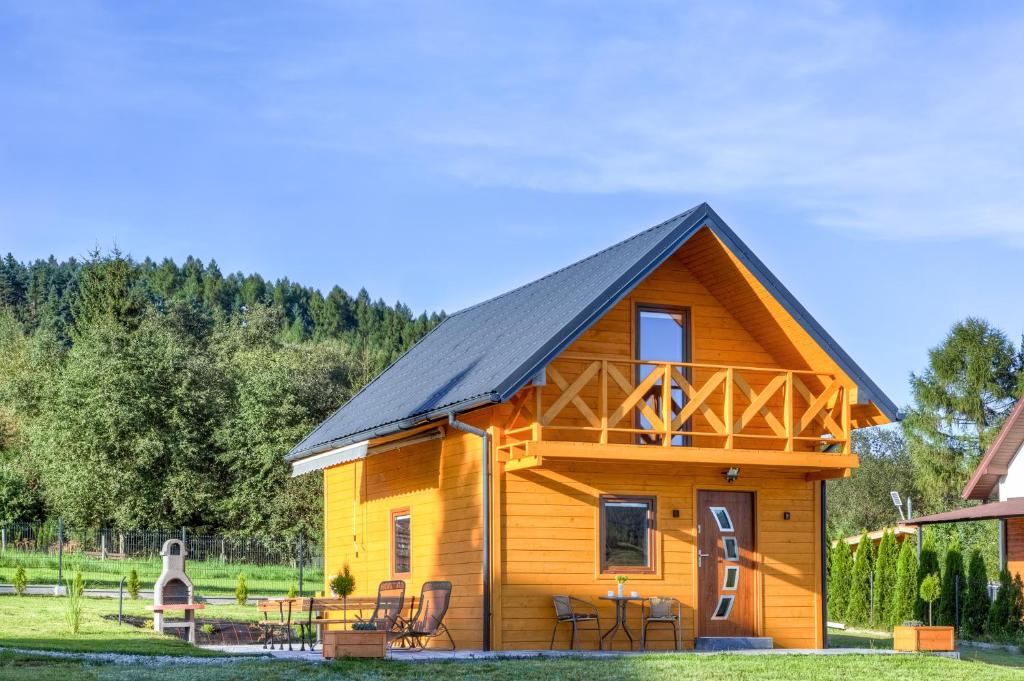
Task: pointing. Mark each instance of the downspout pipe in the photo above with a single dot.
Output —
(486, 452)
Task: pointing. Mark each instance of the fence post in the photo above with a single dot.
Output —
(302, 558)
(103, 545)
(185, 546)
(3, 539)
(60, 552)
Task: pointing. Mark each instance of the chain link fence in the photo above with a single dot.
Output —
(51, 552)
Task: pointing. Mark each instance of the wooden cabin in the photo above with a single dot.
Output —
(998, 483)
(663, 409)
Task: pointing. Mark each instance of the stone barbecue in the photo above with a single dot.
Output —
(173, 591)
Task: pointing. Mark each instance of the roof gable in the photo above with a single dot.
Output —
(486, 353)
(996, 462)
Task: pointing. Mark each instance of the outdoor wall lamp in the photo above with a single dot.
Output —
(732, 474)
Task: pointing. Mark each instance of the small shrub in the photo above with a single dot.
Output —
(241, 591)
(73, 603)
(292, 591)
(208, 629)
(20, 580)
(931, 589)
(363, 626)
(133, 584)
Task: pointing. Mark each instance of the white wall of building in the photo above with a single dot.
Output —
(1011, 485)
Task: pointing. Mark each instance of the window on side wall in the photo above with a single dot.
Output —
(627, 534)
(400, 543)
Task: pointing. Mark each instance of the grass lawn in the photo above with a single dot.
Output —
(768, 667)
(210, 577)
(883, 640)
(37, 623)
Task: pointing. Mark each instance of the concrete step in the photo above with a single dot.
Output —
(714, 643)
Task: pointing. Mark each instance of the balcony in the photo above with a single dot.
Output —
(602, 407)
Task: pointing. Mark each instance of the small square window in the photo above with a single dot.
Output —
(732, 578)
(732, 551)
(401, 539)
(721, 515)
(724, 608)
(627, 534)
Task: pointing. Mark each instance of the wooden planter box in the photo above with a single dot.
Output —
(354, 643)
(923, 638)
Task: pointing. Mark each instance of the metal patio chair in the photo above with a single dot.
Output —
(428, 622)
(665, 610)
(575, 611)
(387, 613)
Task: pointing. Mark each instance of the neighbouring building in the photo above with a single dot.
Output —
(663, 409)
(998, 483)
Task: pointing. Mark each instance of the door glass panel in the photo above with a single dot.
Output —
(662, 338)
(732, 552)
(721, 515)
(732, 578)
(723, 608)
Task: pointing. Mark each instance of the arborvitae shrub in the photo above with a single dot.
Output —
(885, 578)
(859, 604)
(132, 584)
(840, 572)
(904, 599)
(945, 613)
(241, 591)
(20, 580)
(999, 624)
(974, 598)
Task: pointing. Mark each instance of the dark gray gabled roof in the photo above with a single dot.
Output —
(487, 352)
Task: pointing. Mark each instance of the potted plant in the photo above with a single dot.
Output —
(363, 640)
(621, 581)
(342, 586)
(914, 636)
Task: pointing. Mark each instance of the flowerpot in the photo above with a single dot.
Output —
(923, 638)
(354, 644)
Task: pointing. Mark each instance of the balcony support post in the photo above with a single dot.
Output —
(604, 402)
(666, 405)
(787, 410)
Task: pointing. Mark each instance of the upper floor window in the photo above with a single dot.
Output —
(400, 542)
(627, 534)
(662, 335)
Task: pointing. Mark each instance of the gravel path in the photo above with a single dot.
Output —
(141, 660)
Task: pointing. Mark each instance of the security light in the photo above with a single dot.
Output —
(732, 474)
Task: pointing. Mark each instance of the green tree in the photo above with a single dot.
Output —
(241, 590)
(132, 584)
(903, 605)
(975, 602)
(862, 501)
(929, 565)
(960, 399)
(858, 606)
(952, 575)
(20, 581)
(839, 576)
(885, 578)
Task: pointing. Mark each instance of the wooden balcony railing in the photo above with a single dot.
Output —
(610, 400)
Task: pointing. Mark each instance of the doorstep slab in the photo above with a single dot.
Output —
(721, 643)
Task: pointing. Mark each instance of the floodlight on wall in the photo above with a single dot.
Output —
(732, 474)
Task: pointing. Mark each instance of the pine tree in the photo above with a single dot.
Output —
(929, 565)
(885, 578)
(858, 607)
(952, 574)
(974, 599)
(904, 599)
(840, 572)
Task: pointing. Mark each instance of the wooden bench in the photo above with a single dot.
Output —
(189, 621)
(284, 609)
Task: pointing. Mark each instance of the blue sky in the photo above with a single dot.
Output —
(439, 153)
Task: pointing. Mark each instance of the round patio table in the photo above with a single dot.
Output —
(620, 618)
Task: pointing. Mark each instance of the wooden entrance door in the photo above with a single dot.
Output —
(726, 570)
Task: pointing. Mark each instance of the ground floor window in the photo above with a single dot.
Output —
(400, 542)
(627, 534)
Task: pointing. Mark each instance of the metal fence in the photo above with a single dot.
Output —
(50, 552)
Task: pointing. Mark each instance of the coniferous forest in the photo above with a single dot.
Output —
(146, 394)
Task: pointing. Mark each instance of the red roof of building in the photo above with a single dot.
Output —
(997, 459)
(1011, 508)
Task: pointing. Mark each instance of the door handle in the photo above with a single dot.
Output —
(701, 556)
